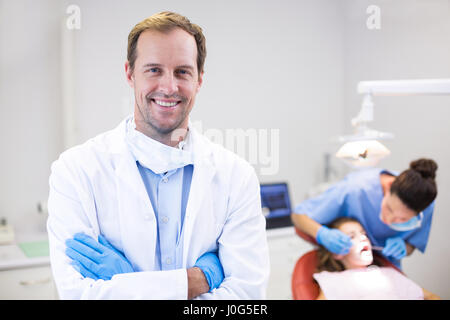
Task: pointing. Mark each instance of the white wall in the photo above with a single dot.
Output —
(30, 130)
(413, 43)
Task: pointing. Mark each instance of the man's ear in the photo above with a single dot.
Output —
(200, 81)
(129, 74)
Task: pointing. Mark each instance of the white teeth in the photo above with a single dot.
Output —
(166, 104)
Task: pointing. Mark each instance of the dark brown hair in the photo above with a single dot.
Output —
(416, 186)
(164, 22)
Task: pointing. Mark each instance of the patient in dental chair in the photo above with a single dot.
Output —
(360, 274)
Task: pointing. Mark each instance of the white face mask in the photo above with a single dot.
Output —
(154, 155)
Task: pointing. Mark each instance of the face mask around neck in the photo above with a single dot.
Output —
(154, 155)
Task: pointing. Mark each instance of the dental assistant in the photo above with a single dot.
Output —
(395, 210)
(152, 209)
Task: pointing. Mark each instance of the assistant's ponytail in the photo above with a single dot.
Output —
(426, 167)
(416, 186)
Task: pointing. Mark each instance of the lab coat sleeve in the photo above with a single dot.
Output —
(243, 249)
(70, 211)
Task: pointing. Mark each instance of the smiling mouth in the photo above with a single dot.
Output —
(166, 104)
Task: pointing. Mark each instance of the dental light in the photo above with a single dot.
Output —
(363, 148)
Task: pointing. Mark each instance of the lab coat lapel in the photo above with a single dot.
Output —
(136, 216)
(204, 171)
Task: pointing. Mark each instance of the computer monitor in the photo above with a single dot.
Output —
(276, 204)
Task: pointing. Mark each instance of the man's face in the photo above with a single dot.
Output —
(165, 81)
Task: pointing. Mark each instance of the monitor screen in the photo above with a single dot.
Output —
(276, 204)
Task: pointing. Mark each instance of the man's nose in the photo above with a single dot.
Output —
(168, 84)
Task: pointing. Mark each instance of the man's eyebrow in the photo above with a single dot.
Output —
(152, 65)
(184, 66)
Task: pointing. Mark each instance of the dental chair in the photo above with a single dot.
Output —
(303, 285)
(305, 236)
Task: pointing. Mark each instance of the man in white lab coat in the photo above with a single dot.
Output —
(153, 196)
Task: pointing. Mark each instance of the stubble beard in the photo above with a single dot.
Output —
(152, 127)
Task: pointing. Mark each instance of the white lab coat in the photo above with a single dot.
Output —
(96, 188)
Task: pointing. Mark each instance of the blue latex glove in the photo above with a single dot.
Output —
(210, 264)
(395, 247)
(334, 240)
(96, 260)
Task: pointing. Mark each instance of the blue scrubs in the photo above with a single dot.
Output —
(359, 196)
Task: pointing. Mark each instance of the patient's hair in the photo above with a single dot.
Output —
(325, 259)
(416, 186)
(165, 22)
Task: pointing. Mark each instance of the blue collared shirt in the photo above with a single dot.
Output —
(168, 193)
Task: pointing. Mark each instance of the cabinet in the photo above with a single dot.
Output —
(27, 284)
(285, 248)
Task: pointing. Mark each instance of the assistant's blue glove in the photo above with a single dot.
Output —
(96, 260)
(334, 240)
(210, 264)
(395, 247)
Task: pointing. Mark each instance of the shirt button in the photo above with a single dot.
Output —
(165, 219)
(165, 179)
(168, 261)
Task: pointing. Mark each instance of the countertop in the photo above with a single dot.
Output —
(13, 257)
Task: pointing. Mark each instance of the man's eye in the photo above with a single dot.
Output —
(182, 72)
(153, 69)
